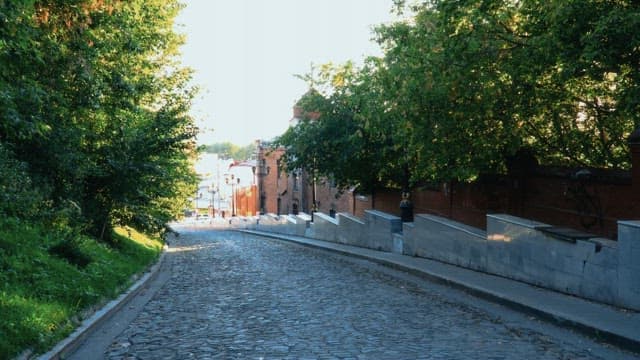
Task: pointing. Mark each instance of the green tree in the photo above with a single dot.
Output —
(232, 150)
(545, 75)
(463, 86)
(94, 102)
(345, 134)
(484, 79)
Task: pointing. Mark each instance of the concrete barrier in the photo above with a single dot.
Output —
(273, 223)
(380, 228)
(323, 227)
(526, 250)
(295, 225)
(629, 263)
(449, 241)
(241, 222)
(351, 230)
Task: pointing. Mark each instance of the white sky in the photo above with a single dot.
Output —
(246, 52)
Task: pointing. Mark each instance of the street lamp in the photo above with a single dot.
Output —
(212, 192)
(233, 181)
(261, 171)
(314, 207)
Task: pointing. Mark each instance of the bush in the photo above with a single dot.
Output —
(18, 196)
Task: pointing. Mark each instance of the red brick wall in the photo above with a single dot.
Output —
(593, 206)
(386, 200)
(328, 198)
(246, 201)
(271, 184)
(549, 195)
(635, 165)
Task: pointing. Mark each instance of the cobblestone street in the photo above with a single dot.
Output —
(237, 296)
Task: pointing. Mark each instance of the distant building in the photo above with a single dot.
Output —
(292, 192)
(280, 192)
(241, 179)
(216, 196)
(207, 168)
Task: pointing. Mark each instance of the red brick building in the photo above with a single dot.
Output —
(284, 192)
(241, 183)
(293, 192)
(279, 192)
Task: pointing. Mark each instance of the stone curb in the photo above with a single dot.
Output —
(624, 342)
(76, 338)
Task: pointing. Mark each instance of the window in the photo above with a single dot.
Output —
(278, 165)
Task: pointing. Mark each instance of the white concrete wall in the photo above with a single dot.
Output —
(445, 240)
(517, 249)
(323, 227)
(352, 230)
(629, 263)
(380, 228)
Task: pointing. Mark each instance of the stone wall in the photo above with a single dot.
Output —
(590, 267)
(446, 240)
(375, 232)
(282, 224)
(380, 228)
(351, 230)
(524, 250)
(323, 227)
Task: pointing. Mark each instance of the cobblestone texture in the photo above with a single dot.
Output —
(234, 296)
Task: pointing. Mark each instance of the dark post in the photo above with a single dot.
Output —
(233, 200)
(634, 148)
(314, 205)
(406, 207)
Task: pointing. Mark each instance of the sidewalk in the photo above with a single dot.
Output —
(610, 324)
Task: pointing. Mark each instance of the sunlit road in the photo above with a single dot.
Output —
(236, 296)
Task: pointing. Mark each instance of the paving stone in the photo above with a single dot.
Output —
(237, 296)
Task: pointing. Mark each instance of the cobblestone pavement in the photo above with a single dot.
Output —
(237, 296)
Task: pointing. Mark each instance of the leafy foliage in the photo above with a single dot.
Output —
(18, 196)
(233, 151)
(463, 86)
(94, 105)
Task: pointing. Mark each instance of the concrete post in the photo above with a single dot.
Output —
(628, 264)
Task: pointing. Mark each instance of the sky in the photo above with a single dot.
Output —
(246, 54)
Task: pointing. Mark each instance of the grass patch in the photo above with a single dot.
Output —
(47, 280)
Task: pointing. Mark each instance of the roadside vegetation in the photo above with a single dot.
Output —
(50, 280)
(95, 138)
